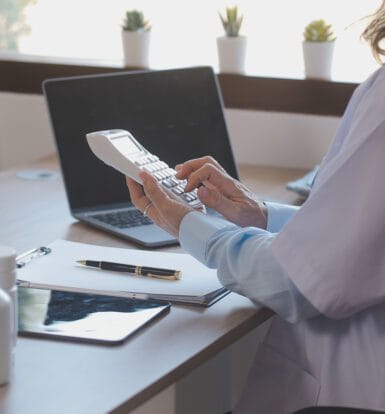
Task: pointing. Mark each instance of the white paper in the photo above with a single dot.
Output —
(59, 268)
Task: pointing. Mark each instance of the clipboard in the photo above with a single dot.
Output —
(26, 257)
(88, 281)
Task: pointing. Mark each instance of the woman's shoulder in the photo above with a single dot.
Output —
(377, 77)
(372, 91)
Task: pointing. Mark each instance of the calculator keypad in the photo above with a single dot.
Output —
(166, 176)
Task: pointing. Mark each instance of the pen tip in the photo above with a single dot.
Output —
(82, 262)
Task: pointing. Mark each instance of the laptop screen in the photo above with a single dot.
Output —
(176, 114)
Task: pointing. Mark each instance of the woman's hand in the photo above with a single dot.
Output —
(217, 190)
(155, 203)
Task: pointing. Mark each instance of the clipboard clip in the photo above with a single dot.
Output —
(26, 257)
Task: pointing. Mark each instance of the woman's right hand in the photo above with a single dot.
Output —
(218, 190)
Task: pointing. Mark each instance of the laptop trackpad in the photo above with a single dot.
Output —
(150, 235)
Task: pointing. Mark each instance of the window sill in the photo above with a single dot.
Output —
(24, 74)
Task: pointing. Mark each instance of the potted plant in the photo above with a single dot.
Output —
(232, 46)
(318, 48)
(136, 39)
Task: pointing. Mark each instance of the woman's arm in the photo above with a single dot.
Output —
(244, 262)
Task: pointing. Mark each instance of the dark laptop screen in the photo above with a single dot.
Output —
(175, 114)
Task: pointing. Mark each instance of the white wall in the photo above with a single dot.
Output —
(279, 139)
(25, 133)
(262, 138)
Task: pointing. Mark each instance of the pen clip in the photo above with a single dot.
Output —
(26, 257)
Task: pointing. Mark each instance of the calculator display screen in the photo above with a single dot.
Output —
(125, 145)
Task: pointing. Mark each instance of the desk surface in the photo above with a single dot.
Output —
(60, 377)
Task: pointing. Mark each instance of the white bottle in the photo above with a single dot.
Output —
(8, 284)
(5, 338)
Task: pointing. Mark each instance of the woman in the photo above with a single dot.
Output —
(320, 268)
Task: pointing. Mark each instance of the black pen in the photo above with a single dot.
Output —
(147, 271)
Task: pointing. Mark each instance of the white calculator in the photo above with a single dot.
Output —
(120, 150)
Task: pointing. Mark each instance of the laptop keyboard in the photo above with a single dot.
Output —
(123, 219)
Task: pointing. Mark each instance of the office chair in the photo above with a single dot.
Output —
(333, 410)
(336, 410)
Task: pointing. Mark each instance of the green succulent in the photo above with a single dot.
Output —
(134, 22)
(319, 31)
(232, 21)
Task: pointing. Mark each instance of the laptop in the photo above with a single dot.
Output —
(176, 114)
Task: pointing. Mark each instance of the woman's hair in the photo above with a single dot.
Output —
(374, 34)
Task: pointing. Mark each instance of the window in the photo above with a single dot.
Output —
(184, 32)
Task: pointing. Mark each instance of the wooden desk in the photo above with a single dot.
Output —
(60, 377)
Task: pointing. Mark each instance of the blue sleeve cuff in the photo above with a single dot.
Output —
(195, 231)
(278, 215)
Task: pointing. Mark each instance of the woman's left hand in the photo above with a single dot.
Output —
(152, 200)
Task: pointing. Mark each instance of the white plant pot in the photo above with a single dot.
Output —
(136, 48)
(318, 58)
(232, 54)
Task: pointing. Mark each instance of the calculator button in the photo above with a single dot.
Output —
(167, 183)
(163, 164)
(173, 182)
(158, 165)
(195, 203)
(154, 166)
(170, 172)
(141, 161)
(150, 168)
(186, 197)
(158, 176)
(177, 191)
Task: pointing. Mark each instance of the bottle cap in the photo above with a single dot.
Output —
(7, 267)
